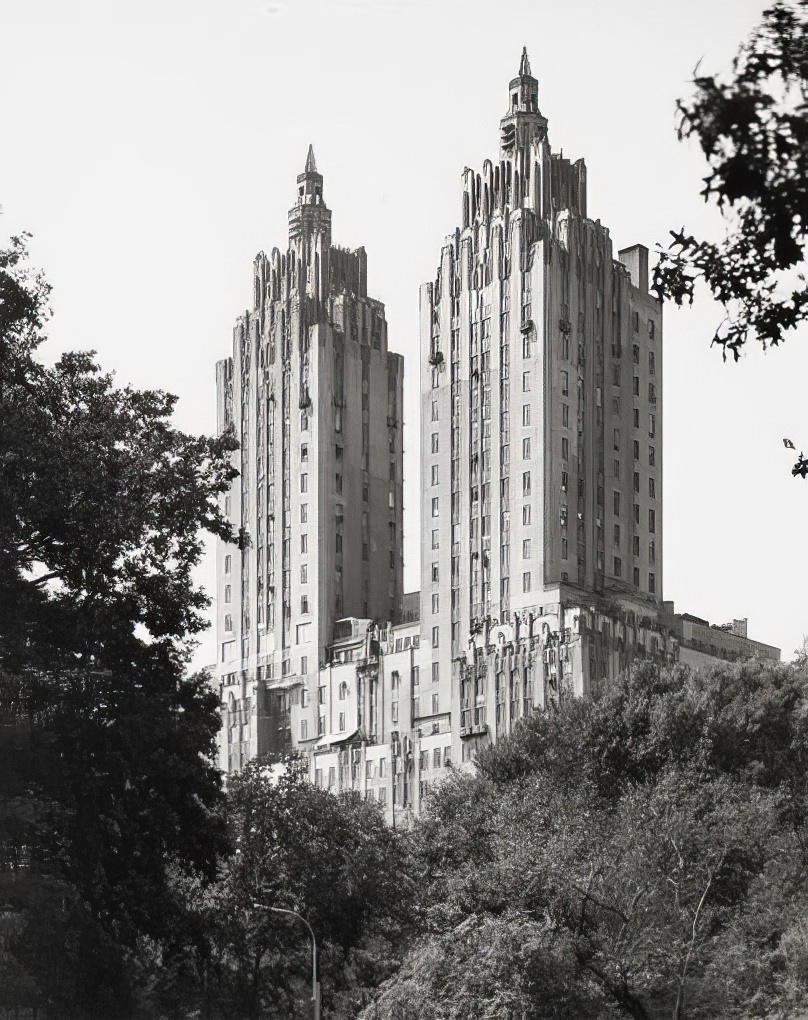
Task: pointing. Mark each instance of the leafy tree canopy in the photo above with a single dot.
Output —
(637, 854)
(331, 859)
(107, 781)
(753, 130)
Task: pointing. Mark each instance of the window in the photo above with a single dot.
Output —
(320, 732)
(526, 513)
(228, 593)
(435, 710)
(635, 321)
(526, 382)
(304, 483)
(526, 581)
(636, 513)
(304, 573)
(338, 482)
(565, 448)
(652, 425)
(616, 504)
(526, 549)
(434, 410)
(526, 483)
(565, 482)
(651, 328)
(565, 383)
(304, 513)
(617, 439)
(636, 449)
(304, 543)
(652, 488)
(435, 539)
(616, 468)
(321, 695)
(304, 452)
(636, 354)
(304, 603)
(435, 506)
(651, 456)
(652, 551)
(637, 577)
(435, 672)
(434, 474)
(526, 345)
(435, 603)
(616, 374)
(526, 448)
(652, 583)
(227, 563)
(651, 360)
(435, 637)
(617, 534)
(565, 346)
(618, 567)
(636, 481)
(565, 415)
(636, 417)
(564, 549)
(304, 729)
(434, 442)
(435, 573)
(394, 711)
(304, 664)
(304, 421)
(651, 393)
(652, 521)
(228, 622)
(636, 386)
(616, 406)
(635, 545)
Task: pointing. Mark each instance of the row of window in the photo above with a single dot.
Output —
(618, 572)
(435, 759)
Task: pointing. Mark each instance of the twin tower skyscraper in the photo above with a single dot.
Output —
(541, 481)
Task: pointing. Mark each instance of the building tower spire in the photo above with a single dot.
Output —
(523, 122)
(310, 183)
(524, 64)
(524, 88)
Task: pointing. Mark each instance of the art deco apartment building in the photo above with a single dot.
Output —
(541, 437)
(541, 431)
(315, 399)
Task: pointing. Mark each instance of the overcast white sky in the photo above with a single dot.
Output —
(152, 149)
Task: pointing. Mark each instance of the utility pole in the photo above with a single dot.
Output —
(315, 984)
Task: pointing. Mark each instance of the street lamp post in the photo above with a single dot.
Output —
(315, 987)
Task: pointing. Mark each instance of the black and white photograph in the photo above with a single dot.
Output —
(403, 510)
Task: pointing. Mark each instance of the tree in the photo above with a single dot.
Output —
(753, 130)
(640, 853)
(107, 776)
(331, 859)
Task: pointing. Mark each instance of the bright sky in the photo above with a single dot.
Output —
(152, 149)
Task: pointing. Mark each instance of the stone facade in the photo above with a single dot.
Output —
(541, 429)
(541, 433)
(315, 399)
